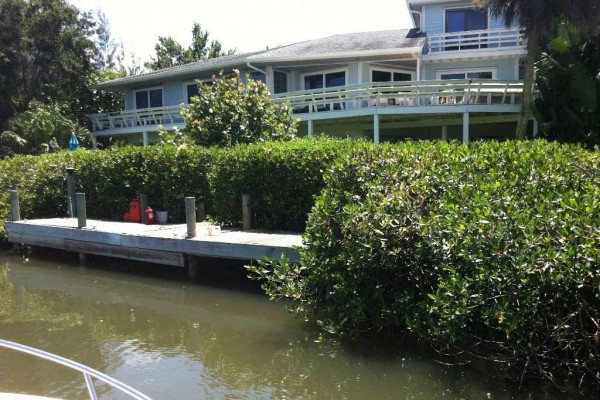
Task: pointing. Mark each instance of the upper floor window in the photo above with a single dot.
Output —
(192, 90)
(258, 76)
(381, 75)
(473, 73)
(468, 19)
(324, 80)
(148, 98)
(280, 82)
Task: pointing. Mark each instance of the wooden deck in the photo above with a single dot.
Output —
(161, 244)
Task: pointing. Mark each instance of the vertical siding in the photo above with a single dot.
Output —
(129, 99)
(505, 67)
(173, 93)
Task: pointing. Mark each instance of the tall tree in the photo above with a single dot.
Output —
(46, 52)
(11, 37)
(170, 53)
(538, 18)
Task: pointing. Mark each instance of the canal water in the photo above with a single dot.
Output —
(175, 339)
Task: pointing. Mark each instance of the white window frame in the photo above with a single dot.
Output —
(324, 72)
(148, 90)
(440, 72)
(462, 8)
(389, 69)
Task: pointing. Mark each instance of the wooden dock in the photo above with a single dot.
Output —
(161, 244)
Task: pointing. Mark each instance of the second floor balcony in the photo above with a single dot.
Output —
(413, 97)
(492, 41)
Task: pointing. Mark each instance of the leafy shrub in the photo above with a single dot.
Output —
(228, 112)
(488, 251)
(41, 129)
(281, 178)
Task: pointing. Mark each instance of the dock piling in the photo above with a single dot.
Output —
(15, 209)
(247, 221)
(81, 210)
(190, 216)
(70, 192)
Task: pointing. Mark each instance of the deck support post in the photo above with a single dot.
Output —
(445, 133)
(311, 128)
(143, 205)
(193, 267)
(70, 192)
(201, 210)
(94, 142)
(246, 217)
(81, 210)
(376, 128)
(190, 216)
(15, 209)
(145, 138)
(536, 129)
(465, 137)
(82, 259)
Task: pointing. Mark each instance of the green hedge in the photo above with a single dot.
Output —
(282, 179)
(488, 251)
(109, 179)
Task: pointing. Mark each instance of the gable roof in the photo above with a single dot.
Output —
(341, 46)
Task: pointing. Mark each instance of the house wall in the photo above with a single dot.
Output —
(435, 17)
(505, 68)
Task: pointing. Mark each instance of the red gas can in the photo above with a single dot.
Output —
(150, 216)
(135, 212)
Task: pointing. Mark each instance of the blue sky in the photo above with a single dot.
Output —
(243, 24)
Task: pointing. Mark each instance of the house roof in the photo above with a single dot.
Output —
(340, 46)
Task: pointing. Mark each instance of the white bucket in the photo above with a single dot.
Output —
(161, 217)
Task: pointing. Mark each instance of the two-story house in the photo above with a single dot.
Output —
(456, 74)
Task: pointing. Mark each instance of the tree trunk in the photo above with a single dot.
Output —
(527, 100)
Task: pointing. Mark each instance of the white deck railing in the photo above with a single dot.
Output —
(147, 117)
(344, 98)
(475, 40)
(404, 94)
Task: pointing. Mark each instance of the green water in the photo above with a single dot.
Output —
(175, 339)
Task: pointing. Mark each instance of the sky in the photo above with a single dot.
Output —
(244, 25)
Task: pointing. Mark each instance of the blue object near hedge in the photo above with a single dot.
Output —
(73, 142)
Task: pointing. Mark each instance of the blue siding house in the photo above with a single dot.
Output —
(455, 74)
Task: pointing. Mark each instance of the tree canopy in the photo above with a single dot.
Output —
(539, 18)
(227, 111)
(170, 53)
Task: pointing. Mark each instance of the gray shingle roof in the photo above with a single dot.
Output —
(344, 43)
(338, 46)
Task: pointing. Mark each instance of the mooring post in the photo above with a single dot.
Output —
(71, 192)
(190, 216)
(81, 214)
(201, 212)
(15, 209)
(247, 221)
(143, 205)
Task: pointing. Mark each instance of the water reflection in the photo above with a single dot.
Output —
(179, 340)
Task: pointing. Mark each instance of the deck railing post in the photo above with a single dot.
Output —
(15, 210)
(190, 216)
(201, 212)
(143, 206)
(81, 210)
(246, 217)
(71, 210)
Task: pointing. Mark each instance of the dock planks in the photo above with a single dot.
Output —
(162, 244)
